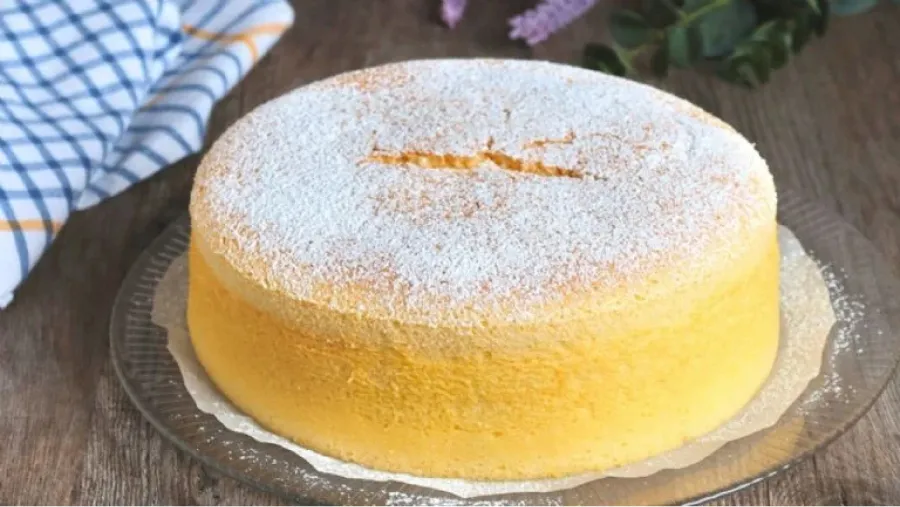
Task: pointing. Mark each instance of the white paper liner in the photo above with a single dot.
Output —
(806, 313)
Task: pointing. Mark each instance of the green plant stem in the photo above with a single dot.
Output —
(628, 55)
(674, 8)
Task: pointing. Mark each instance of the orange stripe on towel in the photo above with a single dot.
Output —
(245, 37)
(29, 225)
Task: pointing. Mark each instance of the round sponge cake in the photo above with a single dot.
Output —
(484, 269)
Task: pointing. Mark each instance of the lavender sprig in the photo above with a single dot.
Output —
(535, 25)
(452, 11)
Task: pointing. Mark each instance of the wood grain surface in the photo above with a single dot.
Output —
(829, 124)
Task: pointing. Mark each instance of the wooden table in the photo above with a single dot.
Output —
(829, 125)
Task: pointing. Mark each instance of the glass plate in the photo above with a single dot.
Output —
(860, 358)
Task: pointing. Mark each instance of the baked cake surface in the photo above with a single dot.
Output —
(484, 268)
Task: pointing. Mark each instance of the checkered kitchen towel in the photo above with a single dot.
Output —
(96, 95)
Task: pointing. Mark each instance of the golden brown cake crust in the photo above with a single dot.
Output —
(464, 191)
(484, 269)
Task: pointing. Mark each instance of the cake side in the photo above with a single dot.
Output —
(577, 396)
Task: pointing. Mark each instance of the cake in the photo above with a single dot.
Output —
(484, 269)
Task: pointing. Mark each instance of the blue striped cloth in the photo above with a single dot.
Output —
(98, 95)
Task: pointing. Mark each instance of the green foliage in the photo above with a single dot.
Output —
(745, 41)
(724, 28)
(658, 14)
(685, 45)
(630, 29)
(604, 59)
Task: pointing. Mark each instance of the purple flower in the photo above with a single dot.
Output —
(537, 24)
(452, 11)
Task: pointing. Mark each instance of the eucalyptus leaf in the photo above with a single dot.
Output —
(747, 74)
(778, 54)
(692, 6)
(658, 13)
(753, 60)
(761, 59)
(849, 7)
(744, 49)
(780, 44)
(729, 71)
(685, 45)
(783, 36)
(769, 9)
(630, 29)
(604, 59)
(723, 28)
(726, 72)
(769, 29)
(748, 39)
(801, 33)
(820, 22)
(739, 71)
(814, 6)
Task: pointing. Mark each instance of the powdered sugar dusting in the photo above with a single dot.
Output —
(851, 313)
(303, 206)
